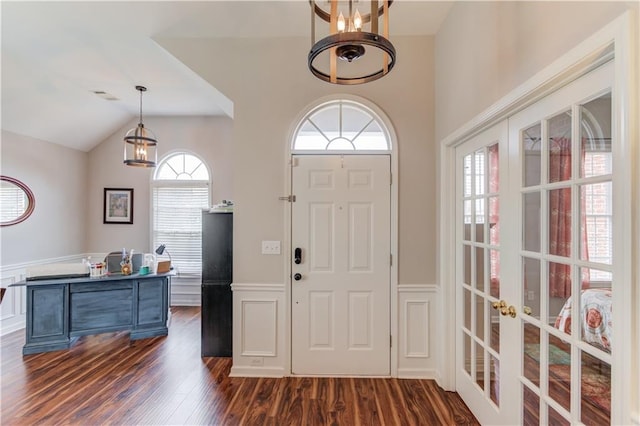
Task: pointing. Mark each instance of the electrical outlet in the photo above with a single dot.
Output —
(256, 361)
(271, 247)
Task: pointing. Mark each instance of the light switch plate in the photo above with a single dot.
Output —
(271, 247)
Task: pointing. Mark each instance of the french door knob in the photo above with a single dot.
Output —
(499, 305)
(297, 277)
(511, 311)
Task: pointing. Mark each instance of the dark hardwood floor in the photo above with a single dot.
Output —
(107, 379)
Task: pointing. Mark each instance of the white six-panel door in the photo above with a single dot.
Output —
(341, 285)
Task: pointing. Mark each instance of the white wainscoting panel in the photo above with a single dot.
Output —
(13, 308)
(258, 330)
(417, 331)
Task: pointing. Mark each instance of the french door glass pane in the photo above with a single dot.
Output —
(480, 268)
(531, 281)
(531, 353)
(531, 221)
(559, 295)
(597, 222)
(556, 419)
(494, 392)
(466, 258)
(596, 310)
(559, 363)
(531, 146)
(595, 134)
(480, 365)
(530, 407)
(595, 390)
(560, 222)
(560, 147)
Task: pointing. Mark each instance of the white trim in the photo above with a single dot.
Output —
(394, 153)
(578, 61)
(279, 288)
(417, 373)
(276, 372)
(417, 288)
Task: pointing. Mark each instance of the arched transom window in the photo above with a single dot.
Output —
(341, 125)
(180, 190)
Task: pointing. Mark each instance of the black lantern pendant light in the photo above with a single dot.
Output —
(355, 51)
(140, 144)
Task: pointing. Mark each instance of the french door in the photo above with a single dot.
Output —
(536, 261)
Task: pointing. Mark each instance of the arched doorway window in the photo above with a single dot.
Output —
(180, 190)
(341, 125)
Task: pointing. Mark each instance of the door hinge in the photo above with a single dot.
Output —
(294, 162)
(390, 178)
(390, 341)
(289, 198)
(391, 260)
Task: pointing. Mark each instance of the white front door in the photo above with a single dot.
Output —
(341, 275)
(535, 239)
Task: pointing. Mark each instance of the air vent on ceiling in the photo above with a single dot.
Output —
(105, 95)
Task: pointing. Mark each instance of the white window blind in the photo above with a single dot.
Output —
(13, 203)
(180, 192)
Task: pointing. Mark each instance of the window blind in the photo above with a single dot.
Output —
(177, 223)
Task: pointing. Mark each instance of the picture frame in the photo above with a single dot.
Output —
(118, 206)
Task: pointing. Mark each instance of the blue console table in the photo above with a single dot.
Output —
(59, 310)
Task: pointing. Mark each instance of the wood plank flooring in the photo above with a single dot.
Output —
(107, 379)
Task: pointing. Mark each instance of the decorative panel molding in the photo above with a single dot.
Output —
(321, 312)
(259, 315)
(360, 179)
(14, 305)
(321, 179)
(417, 330)
(416, 324)
(360, 320)
(321, 231)
(360, 237)
(259, 327)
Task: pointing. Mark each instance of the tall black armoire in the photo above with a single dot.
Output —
(217, 261)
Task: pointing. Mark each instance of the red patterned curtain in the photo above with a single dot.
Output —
(560, 220)
(494, 219)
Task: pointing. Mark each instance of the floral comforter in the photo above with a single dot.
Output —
(595, 317)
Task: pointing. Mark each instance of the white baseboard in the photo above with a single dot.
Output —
(417, 373)
(276, 372)
(182, 299)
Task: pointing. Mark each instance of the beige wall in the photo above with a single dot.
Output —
(207, 137)
(269, 83)
(58, 178)
(484, 50)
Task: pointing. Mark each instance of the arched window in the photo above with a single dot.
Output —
(341, 125)
(180, 190)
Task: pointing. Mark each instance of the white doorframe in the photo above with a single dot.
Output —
(618, 39)
(287, 257)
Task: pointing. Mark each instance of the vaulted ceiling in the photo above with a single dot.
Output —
(56, 55)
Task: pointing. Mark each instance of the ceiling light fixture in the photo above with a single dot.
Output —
(140, 144)
(346, 41)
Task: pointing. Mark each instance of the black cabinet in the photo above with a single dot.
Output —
(217, 275)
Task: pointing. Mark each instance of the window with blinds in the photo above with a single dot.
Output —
(180, 191)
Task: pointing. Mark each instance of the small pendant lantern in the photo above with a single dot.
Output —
(140, 144)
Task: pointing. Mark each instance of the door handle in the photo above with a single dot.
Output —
(297, 277)
(297, 256)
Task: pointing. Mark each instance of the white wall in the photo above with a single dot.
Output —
(269, 83)
(58, 178)
(208, 137)
(484, 50)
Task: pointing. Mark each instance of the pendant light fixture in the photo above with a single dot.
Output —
(140, 144)
(355, 51)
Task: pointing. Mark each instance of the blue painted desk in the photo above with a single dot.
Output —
(60, 310)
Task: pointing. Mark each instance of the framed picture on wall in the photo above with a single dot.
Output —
(118, 205)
